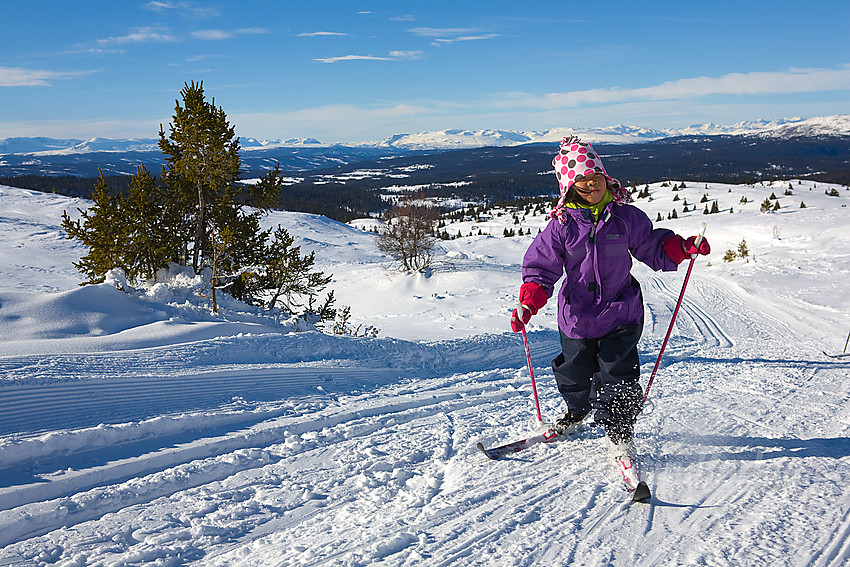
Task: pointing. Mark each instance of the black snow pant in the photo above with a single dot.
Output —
(602, 374)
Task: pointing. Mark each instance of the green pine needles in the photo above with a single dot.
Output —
(198, 214)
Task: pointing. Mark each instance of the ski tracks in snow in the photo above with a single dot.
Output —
(372, 468)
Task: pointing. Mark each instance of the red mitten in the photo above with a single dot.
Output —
(680, 249)
(675, 249)
(532, 297)
(691, 247)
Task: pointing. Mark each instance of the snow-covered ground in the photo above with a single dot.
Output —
(141, 429)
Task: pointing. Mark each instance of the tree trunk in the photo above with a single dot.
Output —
(199, 227)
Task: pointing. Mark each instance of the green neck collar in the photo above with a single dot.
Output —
(595, 209)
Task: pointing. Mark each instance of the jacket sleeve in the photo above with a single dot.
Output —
(645, 242)
(543, 262)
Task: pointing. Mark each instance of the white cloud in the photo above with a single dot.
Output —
(447, 36)
(19, 77)
(406, 54)
(353, 58)
(443, 32)
(140, 35)
(190, 9)
(755, 83)
(393, 56)
(446, 41)
(320, 33)
(218, 35)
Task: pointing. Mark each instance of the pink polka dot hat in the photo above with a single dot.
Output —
(577, 159)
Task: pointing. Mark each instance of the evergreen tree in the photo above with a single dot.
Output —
(288, 277)
(201, 174)
(154, 227)
(102, 230)
(202, 168)
(198, 213)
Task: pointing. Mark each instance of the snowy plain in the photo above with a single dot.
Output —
(141, 429)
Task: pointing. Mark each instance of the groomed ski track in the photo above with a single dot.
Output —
(306, 464)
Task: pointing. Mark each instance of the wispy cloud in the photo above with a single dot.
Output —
(141, 35)
(319, 33)
(352, 58)
(406, 54)
(446, 36)
(191, 9)
(446, 41)
(443, 32)
(218, 35)
(19, 77)
(165, 35)
(790, 81)
(392, 56)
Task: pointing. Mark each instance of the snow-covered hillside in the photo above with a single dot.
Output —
(141, 429)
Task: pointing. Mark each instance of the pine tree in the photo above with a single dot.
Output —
(201, 174)
(202, 163)
(289, 277)
(154, 227)
(102, 230)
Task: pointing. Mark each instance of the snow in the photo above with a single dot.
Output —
(139, 428)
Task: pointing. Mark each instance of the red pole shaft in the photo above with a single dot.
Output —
(520, 309)
(673, 320)
(531, 372)
(669, 330)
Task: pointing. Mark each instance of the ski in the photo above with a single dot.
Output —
(496, 453)
(637, 488)
(634, 485)
(842, 355)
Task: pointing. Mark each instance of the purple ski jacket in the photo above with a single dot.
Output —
(599, 292)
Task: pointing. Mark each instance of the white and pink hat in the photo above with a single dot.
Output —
(577, 159)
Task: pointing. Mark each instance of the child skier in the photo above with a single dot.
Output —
(593, 236)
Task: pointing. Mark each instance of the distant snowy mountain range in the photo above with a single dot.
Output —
(837, 125)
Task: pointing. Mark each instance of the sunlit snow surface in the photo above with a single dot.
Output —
(140, 428)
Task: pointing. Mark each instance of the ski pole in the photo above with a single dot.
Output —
(675, 312)
(520, 311)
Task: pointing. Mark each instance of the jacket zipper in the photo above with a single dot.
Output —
(597, 292)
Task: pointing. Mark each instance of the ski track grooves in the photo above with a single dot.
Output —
(708, 328)
(39, 501)
(425, 429)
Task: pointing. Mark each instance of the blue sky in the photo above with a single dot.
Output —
(361, 71)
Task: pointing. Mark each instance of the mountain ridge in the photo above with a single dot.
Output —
(835, 125)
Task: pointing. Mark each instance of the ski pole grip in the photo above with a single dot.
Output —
(520, 310)
(701, 235)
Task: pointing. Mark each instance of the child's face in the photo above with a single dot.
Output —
(592, 188)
